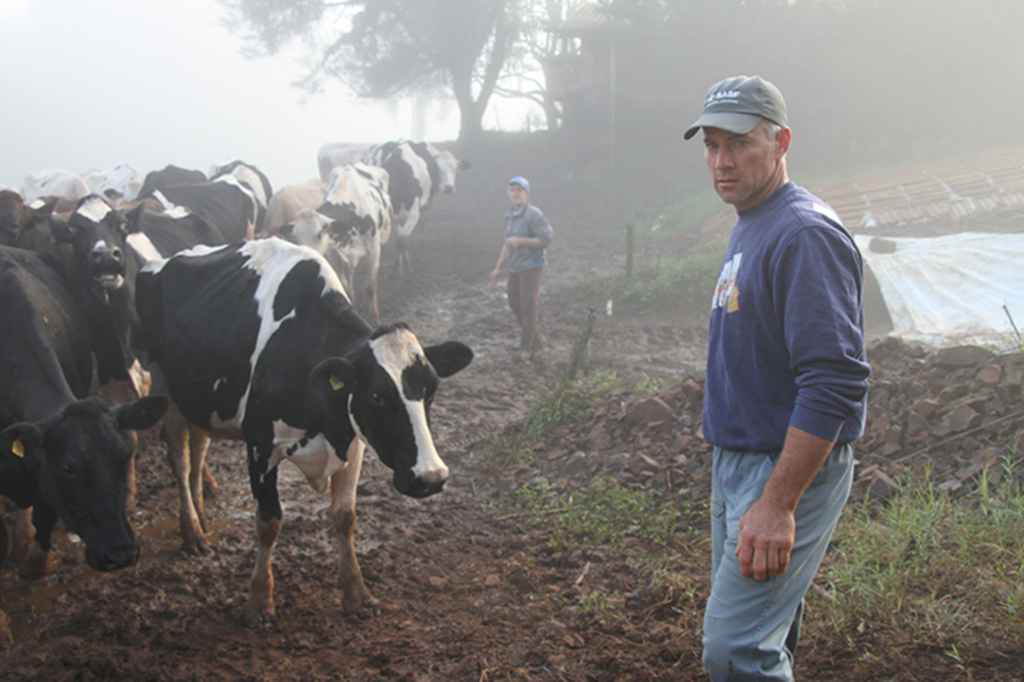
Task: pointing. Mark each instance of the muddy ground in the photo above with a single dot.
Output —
(466, 593)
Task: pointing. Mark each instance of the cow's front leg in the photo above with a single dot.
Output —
(372, 268)
(38, 560)
(24, 531)
(198, 443)
(259, 608)
(177, 430)
(356, 599)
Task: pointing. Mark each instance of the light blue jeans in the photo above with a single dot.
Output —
(751, 628)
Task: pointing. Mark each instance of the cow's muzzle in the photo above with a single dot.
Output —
(107, 267)
(419, 486)
(113, 559)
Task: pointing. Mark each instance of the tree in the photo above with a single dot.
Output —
(380, 48)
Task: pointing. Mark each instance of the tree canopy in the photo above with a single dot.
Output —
(380, 48)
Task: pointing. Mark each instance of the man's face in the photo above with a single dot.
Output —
(746, 168)
(518, 195)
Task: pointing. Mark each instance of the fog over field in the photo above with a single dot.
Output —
(100, 83)
(870, 83)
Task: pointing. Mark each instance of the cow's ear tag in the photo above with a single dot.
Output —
(17, 448)
(336, 383)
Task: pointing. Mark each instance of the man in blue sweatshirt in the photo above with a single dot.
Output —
(786, 387)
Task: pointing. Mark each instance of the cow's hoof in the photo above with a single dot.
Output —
(368, 609)
(259, 618)
(196, 549)
(36, 562)
(6, 638)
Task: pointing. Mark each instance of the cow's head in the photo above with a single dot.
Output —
(96, 233)
(78, 458)
(447, 164)
(388, 385)
(24, 226)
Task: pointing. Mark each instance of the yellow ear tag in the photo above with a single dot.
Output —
(336, 383)
(17, 448)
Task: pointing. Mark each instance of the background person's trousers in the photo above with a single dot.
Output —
(751, 628)
(523, 290)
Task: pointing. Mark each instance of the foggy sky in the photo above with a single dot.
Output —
(100, 83)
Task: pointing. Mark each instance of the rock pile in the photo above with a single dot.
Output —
(947, 414)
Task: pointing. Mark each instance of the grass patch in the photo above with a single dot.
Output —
(569, 405)
(668, 283)
(675, 220)
(676, 279)
(603, 514)
(940, 571)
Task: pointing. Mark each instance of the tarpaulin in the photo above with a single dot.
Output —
(956, 289)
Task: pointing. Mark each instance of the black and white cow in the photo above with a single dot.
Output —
(352, 223)
(227, 203)
(169, 176)
(118, 185)
(258, 341)
(53, 183)
(62, 454)
(253, 178)
(418, 172)
(335, 154)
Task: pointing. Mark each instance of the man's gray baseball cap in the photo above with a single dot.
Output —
(737, 104)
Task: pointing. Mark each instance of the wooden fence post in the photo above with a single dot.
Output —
(629, 250)
(579, 349)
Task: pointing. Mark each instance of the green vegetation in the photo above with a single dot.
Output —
(678, 277)
(570, 404)
(605, 513)
(675, 219)
(936, 570)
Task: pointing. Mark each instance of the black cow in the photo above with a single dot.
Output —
(63, 455)
(23, 226)
(169, 176)
(103, 273)
(418, 173)
(258, 341)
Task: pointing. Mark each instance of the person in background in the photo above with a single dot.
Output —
(527, 237)
(786, 385)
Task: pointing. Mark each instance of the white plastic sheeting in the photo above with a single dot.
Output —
(952, 290)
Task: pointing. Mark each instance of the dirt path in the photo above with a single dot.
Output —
(463, 596)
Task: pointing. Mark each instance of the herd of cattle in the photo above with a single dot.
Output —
(226, 310)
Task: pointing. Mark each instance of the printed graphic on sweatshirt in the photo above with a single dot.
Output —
(727, 295)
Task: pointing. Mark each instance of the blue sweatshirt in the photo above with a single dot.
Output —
(786, 342)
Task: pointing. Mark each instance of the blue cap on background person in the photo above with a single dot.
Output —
(737, 104)
(521, 181)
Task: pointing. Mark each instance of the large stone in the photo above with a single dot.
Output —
(990, 375)
(962, 356)
(916, 424)
(640, 464)
(962, 418)
(926, 407)
(576, 463)
(648, 411)
(1013, 375)
(954, 392)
